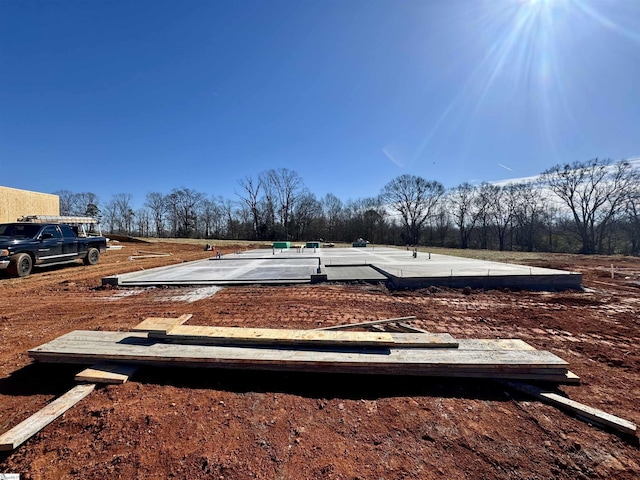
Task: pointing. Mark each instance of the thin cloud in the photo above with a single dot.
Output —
(634, 162)
(391, 157)
(511, 181)
(505, 167)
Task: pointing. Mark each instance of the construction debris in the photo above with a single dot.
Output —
(161, 341)
(142, 255)
(367, 324)
(36, 422)
(106, 373)
(588, 413)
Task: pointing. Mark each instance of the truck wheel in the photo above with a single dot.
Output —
(21, 265)
(93, 255)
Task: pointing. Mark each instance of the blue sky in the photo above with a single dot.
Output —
(145, 96)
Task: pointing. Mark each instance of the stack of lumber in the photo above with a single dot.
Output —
(405, 351)
(166, 342)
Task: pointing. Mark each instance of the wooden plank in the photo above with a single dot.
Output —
(158, 254)
(36, 422)
(463, 344)
(387, 327)
(159, 324)
(591, 414)
(136, 348)
(235, 335)
(364, 324)
(493, 344)
(410, 328)
(572, 377)
(106, 373)
(424, 340)
(204, 335)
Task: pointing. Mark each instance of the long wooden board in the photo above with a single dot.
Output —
(137, 348)
(408, 328)
(203, 335)
(366, 324)
(106, 373)
(36, 422)
(589, 413)
(144, 338)
(493, 344)
(160, 324)
(463, 344)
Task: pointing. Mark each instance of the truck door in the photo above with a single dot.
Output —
(50, 248)
(70, 242)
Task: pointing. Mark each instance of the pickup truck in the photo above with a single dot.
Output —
(24, 245)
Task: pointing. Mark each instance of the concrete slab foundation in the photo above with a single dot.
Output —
(396, 267)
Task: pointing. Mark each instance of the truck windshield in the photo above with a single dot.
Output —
(19, 230)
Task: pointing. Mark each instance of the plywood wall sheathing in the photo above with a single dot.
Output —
(15, 203)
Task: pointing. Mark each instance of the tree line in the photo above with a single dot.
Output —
(587, 207)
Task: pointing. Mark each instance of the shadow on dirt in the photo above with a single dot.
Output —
(326, 386)
(323, 385)
(55, 379)
(39, 379)
(41, 270)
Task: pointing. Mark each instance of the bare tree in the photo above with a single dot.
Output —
(250, 197)
(228, 210)
(282, 187)
(157, 204)
(80, 204)
(84, 202)
(209, 212)
(219, 222)
(143, 222)
(529, 213)
(119, 214)
(484, 199)
(365, 218)
(441, 222)
(500, 209)
(183, 204)
(374, 219)
(414, 198)
(464, 210)
(595, 192)
(332, 209)
(65, 197)
(125, 212)
(633, 219)
(307, 211)
(268, 206)
(110, 216)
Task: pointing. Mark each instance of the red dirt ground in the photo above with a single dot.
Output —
(191, 424)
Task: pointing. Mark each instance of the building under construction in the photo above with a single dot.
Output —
(15, 203)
